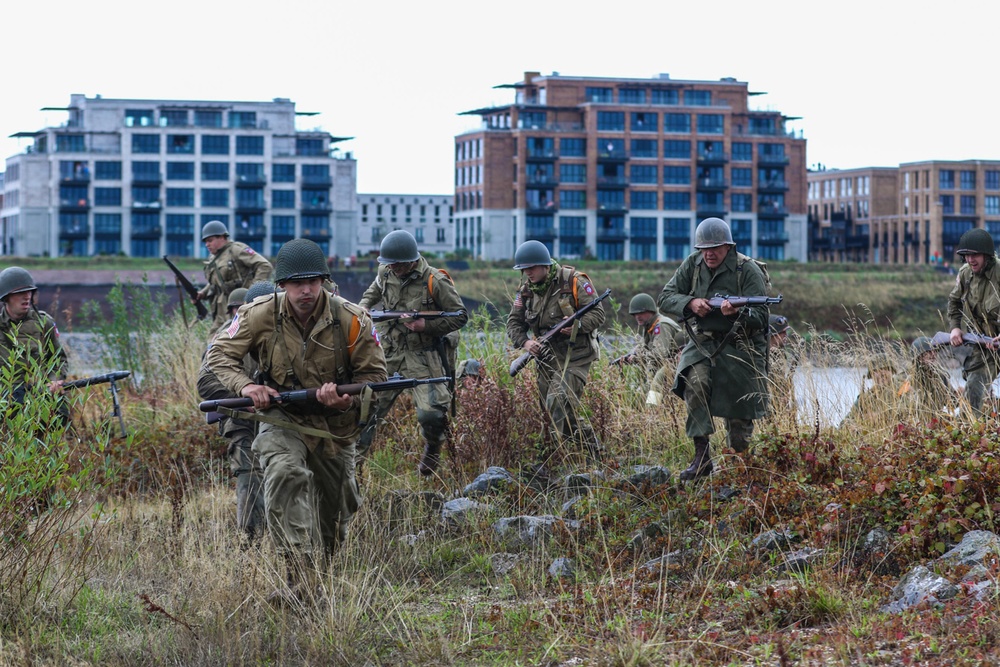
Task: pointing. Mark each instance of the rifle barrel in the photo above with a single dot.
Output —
(395, 383)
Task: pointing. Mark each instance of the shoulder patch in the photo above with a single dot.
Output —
(378, 341)
(235, 326)
(588, 288)
(248, 250)
(656, 330)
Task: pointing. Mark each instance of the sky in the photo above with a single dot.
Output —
(876, 83)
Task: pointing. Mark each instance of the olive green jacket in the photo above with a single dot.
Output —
(34, 338)
(736, 347)
(235, 265)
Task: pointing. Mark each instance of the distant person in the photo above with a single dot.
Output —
(929, 385)
(656, 352)
(783, 359)
(974, 307)
(879, 404)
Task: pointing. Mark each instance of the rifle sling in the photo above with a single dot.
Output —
(274, 421)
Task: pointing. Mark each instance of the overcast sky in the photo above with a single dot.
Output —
(876, 83)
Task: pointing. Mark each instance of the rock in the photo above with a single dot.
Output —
(975, 546)
(494, 479)
(529, 530)
(920, 585)
(562, 568)
(801, 561)
(456, 512)
(503, 562)
(773, 540)
(651, 475)
(569, 507)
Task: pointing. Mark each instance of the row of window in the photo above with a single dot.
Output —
(176, 247)
(252, 172)
(545, 174)
(545, 147)
(647, 121)
(667, 96)
(183, 224)
(652, 200)
(182, 118)
(211, 144)
(150, 195)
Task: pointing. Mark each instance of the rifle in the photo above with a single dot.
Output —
(395, 383)
(523, 360)
(737, 301)
(944, 338)
(188, 287)
(385, 315)
(111, 378)
(620, 361)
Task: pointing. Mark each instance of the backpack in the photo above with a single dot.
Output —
(742, 259)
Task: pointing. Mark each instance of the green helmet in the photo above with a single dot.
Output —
(976, 241)
(531, 253)
(259, 288)
(641, 303)
(398, 247)
(14, 280)
(300, 259)
(712, 232)
(213, 228)
(921, 344)
(777, 324)
(470, 367)
(237, 297)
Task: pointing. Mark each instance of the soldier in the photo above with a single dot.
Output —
(244, 464)
(783, 359)
(928, 383)
(974, 306)
(303, 338)
(233, 264)
(881, 401)
(722, 369)
(415, 347)
(549, 293)
(29, 338)
(469, 373)
(662, 337)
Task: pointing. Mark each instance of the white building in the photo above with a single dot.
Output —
(427, 217)
(141, 177)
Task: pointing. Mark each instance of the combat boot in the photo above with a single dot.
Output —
(701, 465)
(431, 459)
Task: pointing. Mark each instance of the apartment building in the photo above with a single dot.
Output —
(624, 169)
(427, 217)
(914, 213)
(141, 177)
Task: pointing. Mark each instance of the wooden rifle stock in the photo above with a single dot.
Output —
(523, 360)
(188, 287)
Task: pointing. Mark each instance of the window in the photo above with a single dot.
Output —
(107, 196)
(316, 173)
(992, 180)
(968, 204)
(250, 198)
(138, 117)
(643, 228)
(610, 199)
(70, 143)
(742, 177)
(146, 143)
(71, 195)
(214, 197)
(282, 226)
(764, 126)
(946, 179)
(283, 173)
(180, 143)
(537, 174)
(174, 118)
(107, 246)
(742, 152)
(677, 122)
(180, 225)
(146, 223)
(644, 122)
(146, 171)
(205, 118)
(631, 96)
(249, 145)
(215, 171)
(967, 180)
(180, 197)
(180, 171)
(642, 173)
(697, 98)
(532, 119)
(250, 172)
(215, 144)
(600, 95)
(674, 175)
(711, 123)
(208, 217)
(107, 223)
(283, 198)
(572, 173)
(611, 121)
(309, 147)
(180, 247)
(575, 148)
(664, 97)
(107, 171)
(644, 199)
(145, 247)
(611, 147)
(742, 203)
(238, 119)
(572, 226)
(677, 149)
(677, 201)
(146, 196)
(772, 151)
(947, 204)
(572, 199)
(991, 203)
(644, 148)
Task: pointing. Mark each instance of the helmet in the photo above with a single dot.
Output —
(14, 280)
(921, 344)
(237, 297)
(712, 232)
(976, 241)
(259, 288)
(213, 228)
(641, 303)
(397, 247)
(777, 324)
(531, 253)
(300, 259)
(469, 367)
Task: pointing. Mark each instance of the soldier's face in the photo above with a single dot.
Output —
(302, 295)
(19, 304)
(644, 318)
(976, 262)
(400, 269)
(215, 243)
(715, 256)
(535, 274)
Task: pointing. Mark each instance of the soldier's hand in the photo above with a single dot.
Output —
(728, 309)
(956, 337)
(331, 398)
(416, 325)
(259, 393)
(533, 347)
(699, 307)
(55, 385)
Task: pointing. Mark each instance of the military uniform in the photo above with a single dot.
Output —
(722, 369)
(425, 354)
(974, 306)
(235, 265)
(309, 484)
(563, 369)
(37, 339)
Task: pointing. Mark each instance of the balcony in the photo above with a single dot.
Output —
(607, 154)
(542, 182)
(317, 179)
(251, 179)
(612, 208)
(772, 160)
(76, 177)
(74, 231)
(540, 233)
(316, 234)
(775, 238)
(541, 155)
(81, 205)
(256, 206)
(857, 241)
(614, 182)
(547, 207)
(612, 234)
(147, 232)
(147, 178)
(151, 205)
(822, 244)
(712, 157)
(711, 210)
(319, 206)
(773, 185)
(711, 184)
(251, 232)
(775, 211)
